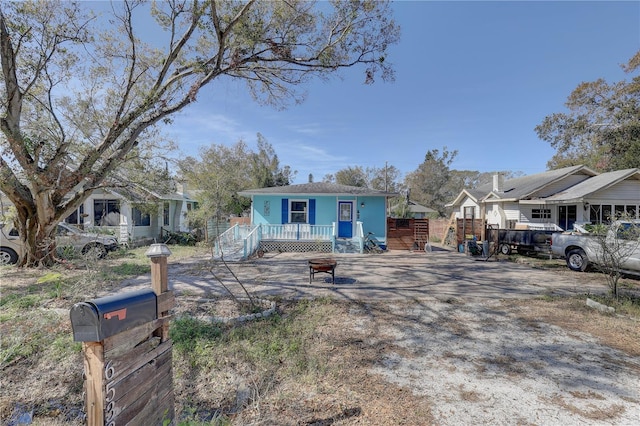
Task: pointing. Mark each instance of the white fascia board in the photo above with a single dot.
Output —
(499, 200)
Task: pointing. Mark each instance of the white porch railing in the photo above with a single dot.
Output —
(242, 240)
(231, 240)
(298, 232)
(359, 236)
(251, 242)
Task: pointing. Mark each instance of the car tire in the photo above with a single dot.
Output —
(8, 256)
(577, 260)
(505, 249)
(95, 251)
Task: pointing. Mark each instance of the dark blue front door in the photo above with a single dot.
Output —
(345, 219)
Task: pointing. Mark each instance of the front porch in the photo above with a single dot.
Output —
(242, 241)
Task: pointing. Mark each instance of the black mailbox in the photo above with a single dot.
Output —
(97, 319)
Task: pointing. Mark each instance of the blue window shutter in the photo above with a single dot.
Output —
(312, 211)
(285, 210)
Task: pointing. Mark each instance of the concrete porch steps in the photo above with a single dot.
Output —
(344, 245)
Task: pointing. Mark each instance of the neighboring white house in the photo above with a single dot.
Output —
(557, 198)
(121, 212)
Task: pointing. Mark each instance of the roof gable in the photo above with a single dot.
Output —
(474, 195)
(524, 187)
(595, 184)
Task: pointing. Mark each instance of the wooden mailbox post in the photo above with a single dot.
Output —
(128, 375)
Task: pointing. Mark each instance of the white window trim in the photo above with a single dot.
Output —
(542, 213)
(306, 210)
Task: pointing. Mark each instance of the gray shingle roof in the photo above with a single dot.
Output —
(594, 184)
(526, 186)
(317, 188)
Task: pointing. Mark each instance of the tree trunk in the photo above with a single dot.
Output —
(37, 228)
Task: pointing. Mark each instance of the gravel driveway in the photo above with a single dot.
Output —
(396, 275)
(457, 330)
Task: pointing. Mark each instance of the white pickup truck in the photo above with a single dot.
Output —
(581, 250)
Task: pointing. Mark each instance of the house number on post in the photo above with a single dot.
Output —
(110, 394)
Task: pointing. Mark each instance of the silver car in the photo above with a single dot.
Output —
(10, 246)
(67, 237)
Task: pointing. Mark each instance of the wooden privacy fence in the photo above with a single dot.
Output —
(407, 234)
(468, 229)
(457, 231)
(127, 352)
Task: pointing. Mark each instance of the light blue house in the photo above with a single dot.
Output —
(315, 216)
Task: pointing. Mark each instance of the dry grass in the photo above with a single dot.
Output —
(593, 413)
(305, 366)
(617, 331)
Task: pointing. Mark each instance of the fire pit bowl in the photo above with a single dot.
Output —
(326, 265)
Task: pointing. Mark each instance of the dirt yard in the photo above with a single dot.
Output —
(408, 339)
(476, 342)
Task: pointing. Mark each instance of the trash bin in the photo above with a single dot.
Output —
(97, 319)
(485, 248)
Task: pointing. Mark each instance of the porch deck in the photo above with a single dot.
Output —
(242, 241)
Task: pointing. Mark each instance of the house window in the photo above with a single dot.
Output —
(595, 213)
(601, 213)
(139, 217)
(541, 214)
(106, 212)
(298, 211)
(345, 212)
(76, 217)
(469, 212)
(165, 214)
(266, 208)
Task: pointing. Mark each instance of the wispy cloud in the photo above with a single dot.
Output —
(192, 131)
(309, 158)
(308, 129)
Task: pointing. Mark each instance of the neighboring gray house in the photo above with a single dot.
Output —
(557, 198)
(417, 211)
(119, 210)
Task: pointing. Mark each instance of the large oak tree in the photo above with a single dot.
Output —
(82, 90)
(601, 127)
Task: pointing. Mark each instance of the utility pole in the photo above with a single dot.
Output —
(386, 187)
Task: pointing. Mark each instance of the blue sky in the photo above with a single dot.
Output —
(476, 77)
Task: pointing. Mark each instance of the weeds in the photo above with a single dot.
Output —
(63, 345)
(269, 351)
(128, 269)
(56, 280)
(30, 331)
(188, 333)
